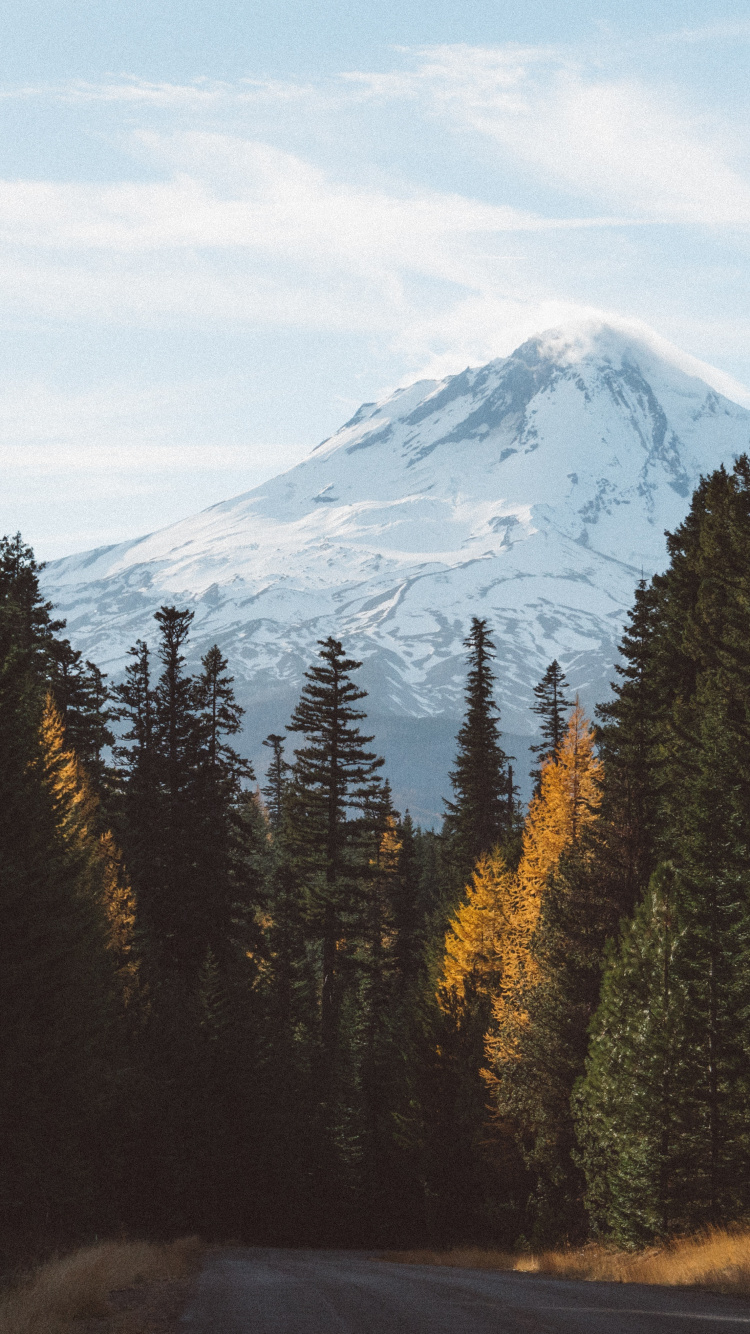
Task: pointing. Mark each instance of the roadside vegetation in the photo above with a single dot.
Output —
(718, 1259)
(57, 1296)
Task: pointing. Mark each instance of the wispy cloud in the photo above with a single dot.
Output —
(242, 231)
(614, 140)
(200, 95)
(224, 191)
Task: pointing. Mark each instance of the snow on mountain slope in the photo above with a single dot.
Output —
(533, 491)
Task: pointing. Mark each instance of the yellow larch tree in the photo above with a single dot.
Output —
(101, 873)
(490, 937)
(474, 939)
(567, 804)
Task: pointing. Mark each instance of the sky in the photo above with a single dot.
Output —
(224, 224)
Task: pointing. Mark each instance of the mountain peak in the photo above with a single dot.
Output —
(619, 341)
(532, 491)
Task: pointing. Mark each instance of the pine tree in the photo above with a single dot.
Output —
(229, 836)
(578, 915)
(628, 739)
(57, 980)
(538, 1024)
(551, 704)
(670, 1038)
(276, 778)
(220, 716)
(176, 721)
(140, 805)
(164, 828)
(194, 839)
(68, 968)
(333, 775)
(627, 1107)
(413, 905)
(78, 688)
(379, 1029)
(477, 819)
(290, 1135)
(26, 614)
(82, 697)
(158, 777)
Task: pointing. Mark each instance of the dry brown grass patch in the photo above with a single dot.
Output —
(77, 1286)
(718, 1259)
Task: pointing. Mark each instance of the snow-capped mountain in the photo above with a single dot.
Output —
(533, 492)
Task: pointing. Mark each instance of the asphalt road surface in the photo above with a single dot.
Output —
(258, 1291)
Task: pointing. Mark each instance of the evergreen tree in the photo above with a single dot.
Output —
(541, 942)
(290, 1134)
(225, 866)
(333, 774)
(158, 770)
(661, 1112)
(626, 1104)
(139, 808)
(413, 905)
(578, 915)
(551, 704)
(478, 817)
(82, 697)
(675, 741)
(183, 787)
(68, 971)
(78, 688)
(194, 840)
(58, 997)
(276, 778)
(220, 716)
(628, 740)
(26, 615)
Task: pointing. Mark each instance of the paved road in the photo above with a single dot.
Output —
(258, 1291)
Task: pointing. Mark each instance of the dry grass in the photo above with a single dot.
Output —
(718, 1260)
(77, 1286)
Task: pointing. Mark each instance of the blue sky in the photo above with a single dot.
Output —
(223, 225)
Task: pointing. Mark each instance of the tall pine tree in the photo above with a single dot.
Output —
(478, 818)
(333, 775)
(677, 741)
(551, 705)
(276, 777)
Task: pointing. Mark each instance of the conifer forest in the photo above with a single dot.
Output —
(284, 1013)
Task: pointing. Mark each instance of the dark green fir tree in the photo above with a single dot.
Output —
(551, 705)
(276, 778)
(479, 817)
(60, 1063)
(334, 775)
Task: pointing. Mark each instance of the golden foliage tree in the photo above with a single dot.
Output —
(567, 804)
(475, 936)
(101, 872)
